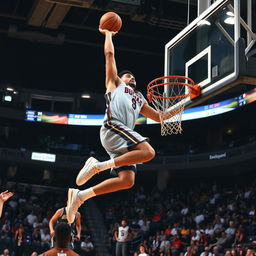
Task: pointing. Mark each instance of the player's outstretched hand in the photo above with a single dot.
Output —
(4, 196)
(105, 31)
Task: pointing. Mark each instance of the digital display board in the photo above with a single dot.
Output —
(189, 114)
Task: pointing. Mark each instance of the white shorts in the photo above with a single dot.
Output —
(117, 139)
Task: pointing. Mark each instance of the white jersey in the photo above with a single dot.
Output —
(124, 105)
(123, 233)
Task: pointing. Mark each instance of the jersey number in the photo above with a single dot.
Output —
(133, 103)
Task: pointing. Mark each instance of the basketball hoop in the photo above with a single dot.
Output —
(168, 95)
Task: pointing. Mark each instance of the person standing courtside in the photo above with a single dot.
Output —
(122, 236)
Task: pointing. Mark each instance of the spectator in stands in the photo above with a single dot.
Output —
(142, 250)
(6, 231)
(206, 252)
(34, 254)
(36, 237)
(164, 248)
(62, 237)
(31, 218)
(221, 242)
(19, 240)
(230, 231)
(250, 252)
(215, 251)
(156, 245)
(87, 246)
(191, 250)
(239, 237)
(45, 238)
(4, 196)
(6, 253)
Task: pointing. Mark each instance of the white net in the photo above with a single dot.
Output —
(169, 100)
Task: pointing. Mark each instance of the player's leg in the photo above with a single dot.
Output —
(77, 197)
(124, 180)
(140, 153)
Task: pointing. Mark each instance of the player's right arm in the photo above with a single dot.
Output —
(54, 220)
(112, 79)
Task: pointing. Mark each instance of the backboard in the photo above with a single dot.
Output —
(211, 51)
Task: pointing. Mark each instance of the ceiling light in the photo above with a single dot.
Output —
(230, 20)
(204, 22)
(9, 89)
(8, 98)
(229, 13)
(86, 96)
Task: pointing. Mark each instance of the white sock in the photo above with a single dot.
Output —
(102, 166)
(86, 194)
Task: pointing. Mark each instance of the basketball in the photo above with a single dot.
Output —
(111, 21)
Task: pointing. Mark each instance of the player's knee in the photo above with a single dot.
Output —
(127, 181)
(150, 154)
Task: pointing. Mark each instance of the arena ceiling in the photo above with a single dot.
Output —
(55, 44)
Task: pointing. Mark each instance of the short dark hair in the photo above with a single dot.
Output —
(62, 234)
(120, 74)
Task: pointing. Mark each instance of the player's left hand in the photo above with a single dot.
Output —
(77, 238)
(4, 196)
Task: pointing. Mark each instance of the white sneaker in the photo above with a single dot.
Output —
(74, 202)
(87, 171)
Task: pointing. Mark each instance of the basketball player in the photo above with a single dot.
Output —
(125, 147)
(4, 196)
(122, 236)
(62, 237)
(61, 216)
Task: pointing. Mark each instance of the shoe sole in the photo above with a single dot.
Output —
(79, 180)
(70, 199)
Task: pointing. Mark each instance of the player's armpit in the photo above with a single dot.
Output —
(150, 112)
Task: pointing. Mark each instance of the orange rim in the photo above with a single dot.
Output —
(194, 92)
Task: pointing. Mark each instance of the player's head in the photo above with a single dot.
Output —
(62, 235)
(128, 77)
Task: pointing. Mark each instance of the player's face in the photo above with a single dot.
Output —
(129, 79)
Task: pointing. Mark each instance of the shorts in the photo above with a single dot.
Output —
(117, 138)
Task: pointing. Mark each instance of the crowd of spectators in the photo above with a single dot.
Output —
(189, 219)
(24, 225)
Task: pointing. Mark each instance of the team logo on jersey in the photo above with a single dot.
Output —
(136, 98)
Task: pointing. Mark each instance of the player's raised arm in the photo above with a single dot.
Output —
(112, 79)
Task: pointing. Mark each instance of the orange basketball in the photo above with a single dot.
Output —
(111, 21)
